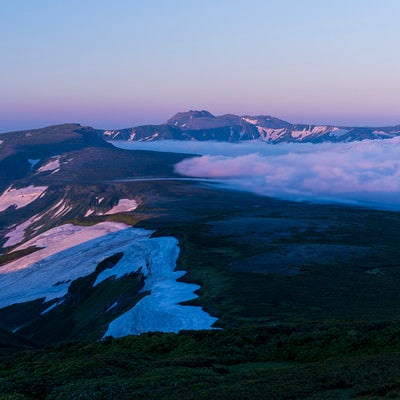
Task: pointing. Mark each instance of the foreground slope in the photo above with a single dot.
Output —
(316, 362)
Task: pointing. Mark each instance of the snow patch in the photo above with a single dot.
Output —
(48, 273)
(17, 234)
(20, 197)
(112, 306)
(132, 135)
(68, 252)
(250, 120)
(58, 239)
(161, 310)
(64, 209)
(53, 166)
(124, 205)
(88, 213)
(57, 303)
(270, 134)
(55, 206)
(311, 130)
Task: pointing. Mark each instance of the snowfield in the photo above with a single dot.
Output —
(124, 205)
(20, 197)
(53, 166)
(160, 311)
(17, 233)
(69, 252)
(56, 240)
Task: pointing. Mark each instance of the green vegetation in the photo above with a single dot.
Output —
(313, 362)
(84, 312)
(239, 248)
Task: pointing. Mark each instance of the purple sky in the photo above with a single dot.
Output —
(125, 63)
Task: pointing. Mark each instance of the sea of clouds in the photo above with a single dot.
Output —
(361, 173)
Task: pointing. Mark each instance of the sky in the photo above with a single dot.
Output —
(122, 63)
(364, 173)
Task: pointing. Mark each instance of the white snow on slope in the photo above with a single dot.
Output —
(124, 205)
(59, 239)
(40, 275)
(17, 233)
(311, 130)
(160, 311)
(250, 120)
(53, 166)
(270, 134)
(72, 252)
(88, 213)
(20, 197)
(64, 209)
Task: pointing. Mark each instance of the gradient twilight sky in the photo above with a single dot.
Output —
(120, 63)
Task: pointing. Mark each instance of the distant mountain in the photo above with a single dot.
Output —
(202, 126)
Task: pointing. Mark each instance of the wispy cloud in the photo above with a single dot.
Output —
(365, 173)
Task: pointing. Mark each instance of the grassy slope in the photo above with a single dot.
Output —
(11, 343)
(313, 362)
(345, 258)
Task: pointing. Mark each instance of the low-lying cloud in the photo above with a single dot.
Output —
(365, 173)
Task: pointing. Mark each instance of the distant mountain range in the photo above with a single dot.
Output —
(202, 126)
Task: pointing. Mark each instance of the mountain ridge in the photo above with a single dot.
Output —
(203, 125)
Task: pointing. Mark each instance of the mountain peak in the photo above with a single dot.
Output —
(183, 119)
(193, 114)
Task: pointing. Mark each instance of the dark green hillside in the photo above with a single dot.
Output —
(52, 138)
(266, 261)
(85, 312)
(350, 361)
(11, 343)
(17, 147)
(99, 165)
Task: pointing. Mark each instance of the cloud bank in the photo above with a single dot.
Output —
(364, 173)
